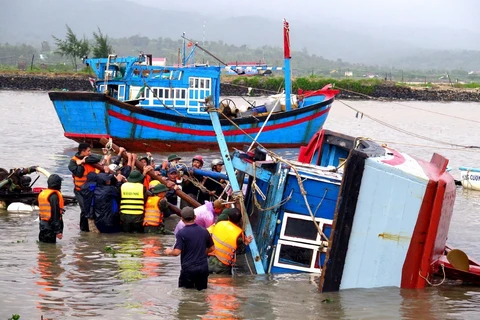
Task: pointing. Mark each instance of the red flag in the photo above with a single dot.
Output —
(286, 40)
(92, 82)
(190, 44)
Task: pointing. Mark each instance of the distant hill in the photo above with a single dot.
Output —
(36, 21)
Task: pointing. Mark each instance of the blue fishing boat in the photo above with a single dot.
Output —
(143, 106)
(359, 214)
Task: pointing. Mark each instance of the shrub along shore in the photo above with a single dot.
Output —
(239, 86)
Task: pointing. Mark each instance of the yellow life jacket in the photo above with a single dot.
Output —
(132, 201)
(153, 215)
(225, 235)
(44, 204)
(79, 181)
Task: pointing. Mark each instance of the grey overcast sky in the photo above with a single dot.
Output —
(454, 14)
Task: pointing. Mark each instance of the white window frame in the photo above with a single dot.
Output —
(288, 215)
(311, 269)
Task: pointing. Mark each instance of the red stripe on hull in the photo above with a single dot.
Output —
(173, 146)
(211, 133)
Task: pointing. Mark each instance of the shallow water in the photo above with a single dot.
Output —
(78, 279)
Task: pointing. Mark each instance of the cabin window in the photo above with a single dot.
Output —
(299, 246)
(207, 83)
(202, 84)
(184, 93)
(297, 227)
(191, 83)
(166, 74)
(178, 94)
(296, 256)
(167, 93)
(155, 92)
(160, 93)
(196, 83)
(300, 228)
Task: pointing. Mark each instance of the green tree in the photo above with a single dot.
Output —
(72, 47)
(102, 47)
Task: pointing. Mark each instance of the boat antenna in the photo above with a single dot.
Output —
(208, 52)
(184, 49)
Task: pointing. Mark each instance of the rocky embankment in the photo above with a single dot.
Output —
(387, 91)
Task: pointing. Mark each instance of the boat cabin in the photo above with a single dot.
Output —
(170, 89)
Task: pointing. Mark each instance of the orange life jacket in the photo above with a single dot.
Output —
(44, 204)
(153, 215)
(225, 235)
(80, 181)
(146, 181)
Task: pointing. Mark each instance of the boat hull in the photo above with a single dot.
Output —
(91, 116)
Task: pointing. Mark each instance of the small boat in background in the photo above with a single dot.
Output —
(17, 192)
(470, 178)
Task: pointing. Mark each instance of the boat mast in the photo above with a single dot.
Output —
(184, 50)
(222, 144)
(286, 56)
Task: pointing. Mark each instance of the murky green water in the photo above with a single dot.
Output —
(77, 278)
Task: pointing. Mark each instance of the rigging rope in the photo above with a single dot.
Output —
(403, 130)
(407, 106)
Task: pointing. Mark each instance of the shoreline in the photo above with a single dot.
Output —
(387, 91)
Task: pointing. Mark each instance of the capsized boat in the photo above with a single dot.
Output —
(359, 214)
(470, 178)
(149, 107)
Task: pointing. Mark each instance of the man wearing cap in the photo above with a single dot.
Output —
(205, 215)
(214, 186)
(171, 194)
(50, 202)
(132, 204)
(171, 162)
(155, 209)
(193, 243)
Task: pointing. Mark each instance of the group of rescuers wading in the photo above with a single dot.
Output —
(124, 199)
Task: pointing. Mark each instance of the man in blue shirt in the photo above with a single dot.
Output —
(193, 243)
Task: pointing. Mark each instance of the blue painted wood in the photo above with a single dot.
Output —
(469, 169)
(387, 209)
(246, 167)
(322, 194)
(274, 198)
(89, 117)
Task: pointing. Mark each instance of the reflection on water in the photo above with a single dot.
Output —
(49, 269)
(118, 276)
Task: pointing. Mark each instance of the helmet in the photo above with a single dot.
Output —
(153, 183)
(198, 158)
(217, 162)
